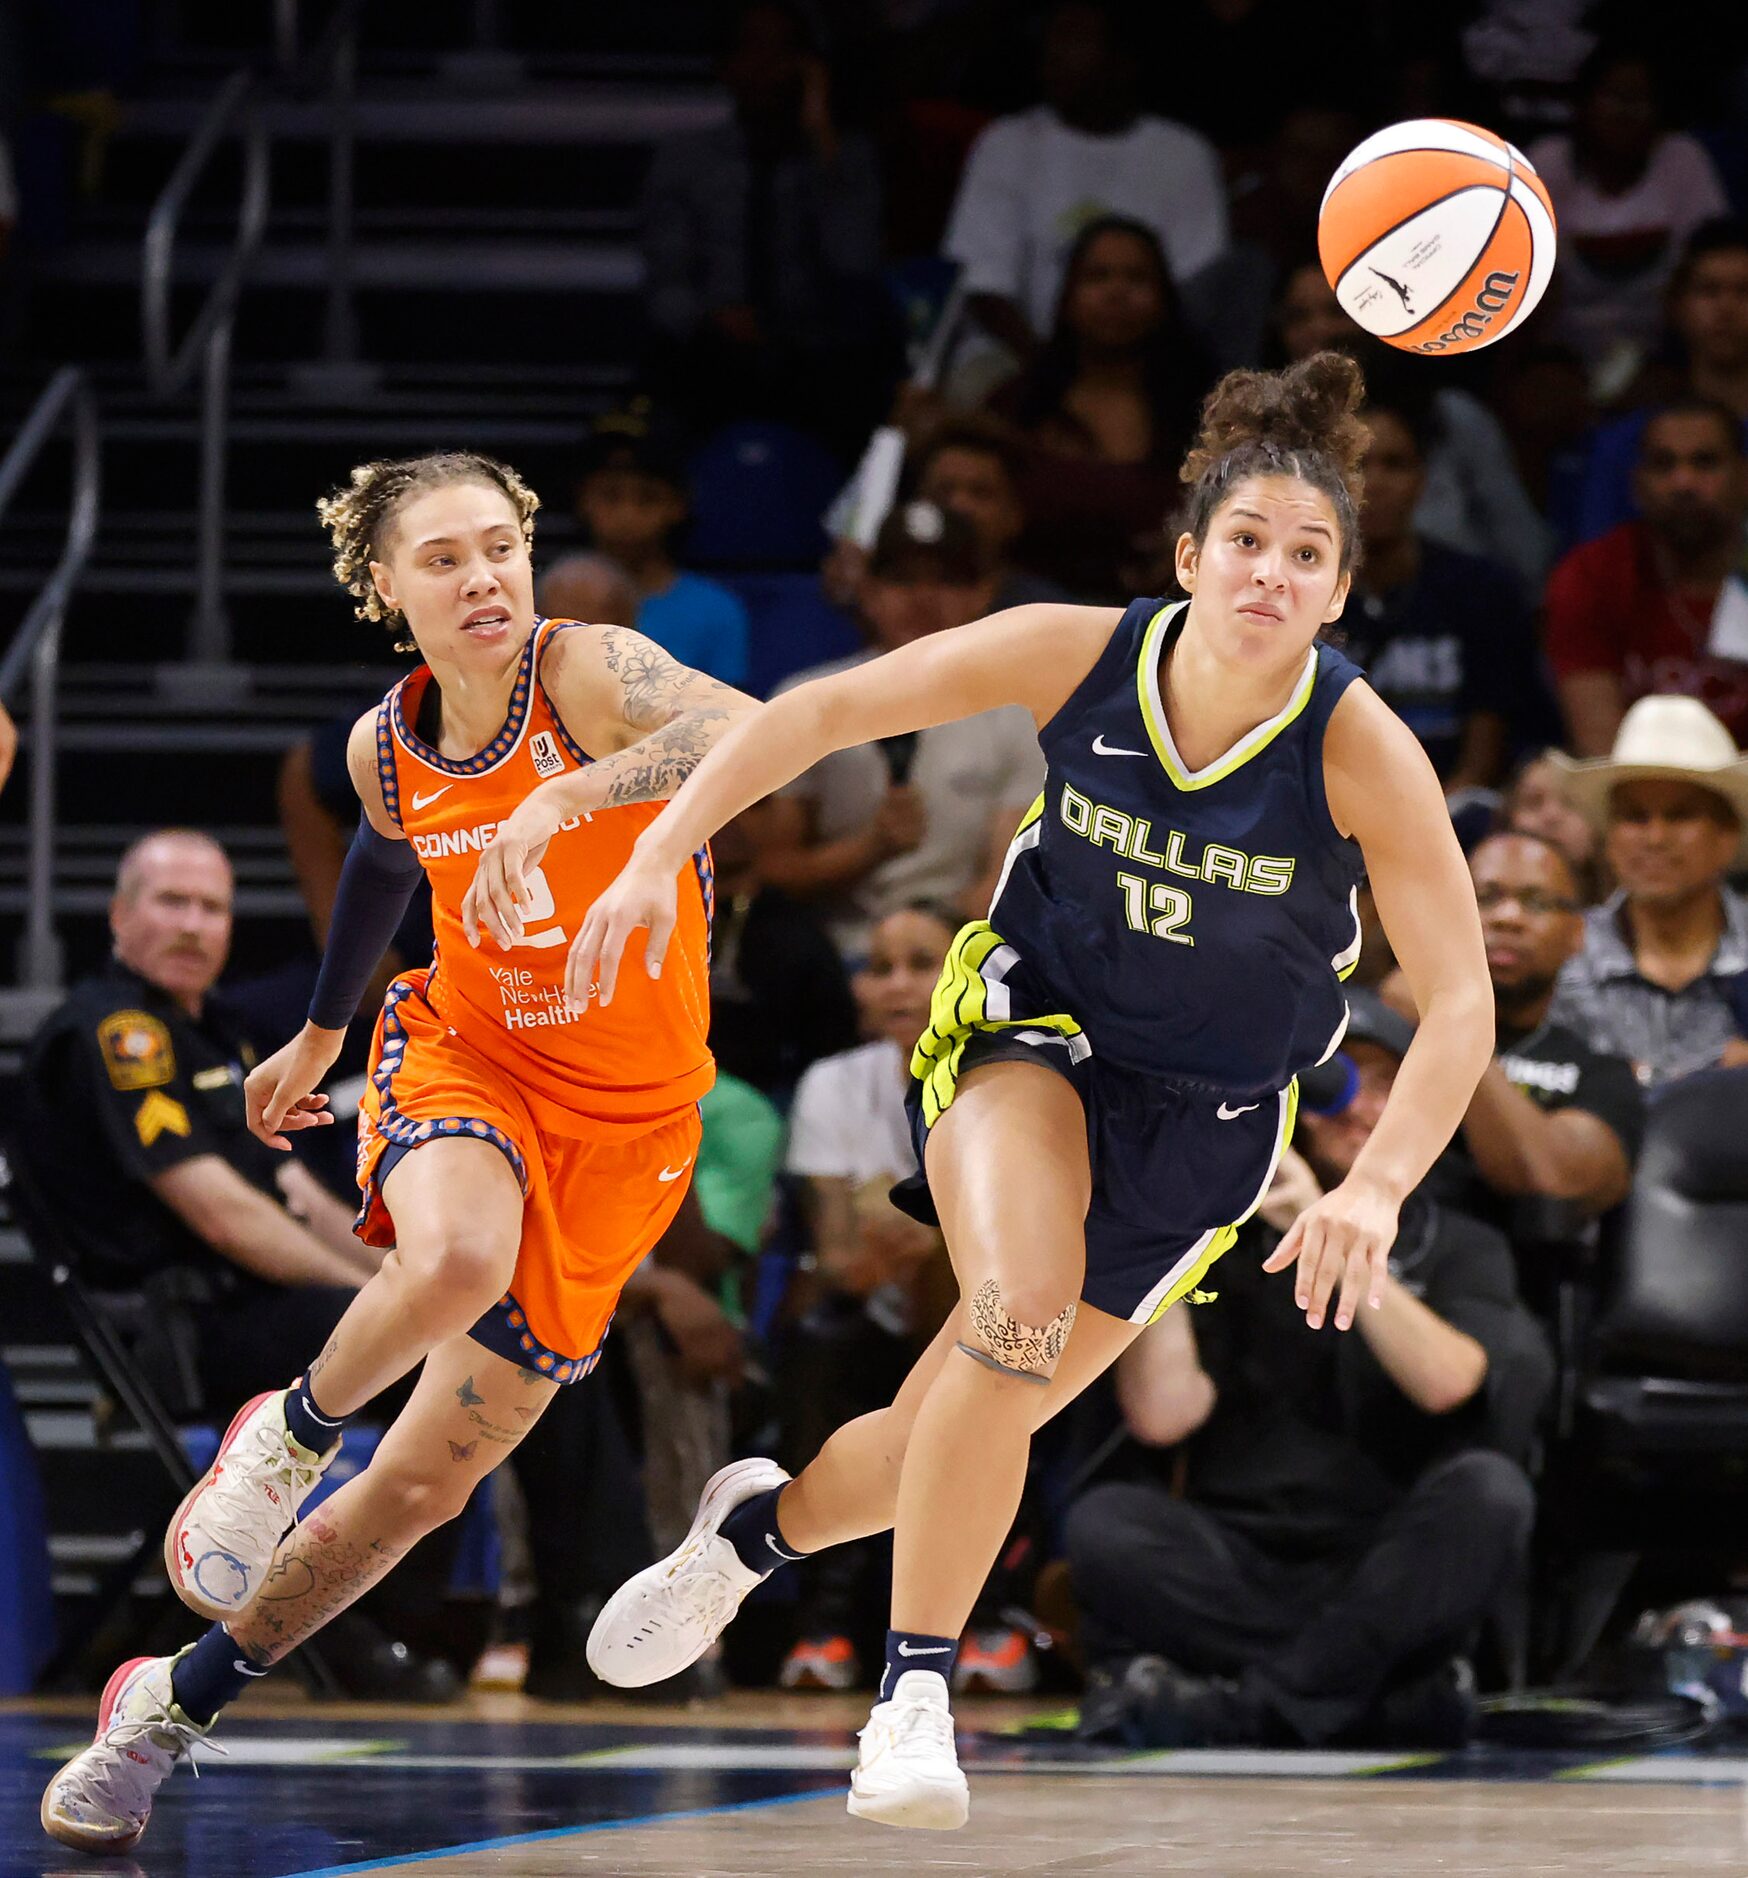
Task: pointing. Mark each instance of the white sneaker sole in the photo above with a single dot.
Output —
(930, 1806)
(176, 1555)
(723, 1492)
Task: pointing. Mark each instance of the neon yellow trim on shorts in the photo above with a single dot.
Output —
(959, 1009)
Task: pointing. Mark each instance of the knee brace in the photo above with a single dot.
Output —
(1029, 1351)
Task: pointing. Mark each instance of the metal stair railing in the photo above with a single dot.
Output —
(206, 344)
(67, 398)
(331, 64)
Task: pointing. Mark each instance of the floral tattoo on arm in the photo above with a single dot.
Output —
(680, 712)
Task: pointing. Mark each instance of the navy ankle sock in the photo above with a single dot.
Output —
(753, 1531)
(216, 1671)
(914, 1649)
(309, 1426)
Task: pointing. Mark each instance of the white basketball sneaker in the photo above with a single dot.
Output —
(664, 1619)
(224, 1535)
(907, 1773)
(100, 1801)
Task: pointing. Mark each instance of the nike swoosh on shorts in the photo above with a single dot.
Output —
(1231, 1115)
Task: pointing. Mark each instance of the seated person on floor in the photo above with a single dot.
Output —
(1353, 1506)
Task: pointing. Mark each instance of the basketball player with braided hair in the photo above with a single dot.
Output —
(517, 1161)
(1108, 1077)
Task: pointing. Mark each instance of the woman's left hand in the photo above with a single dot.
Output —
(1343, 1238)
(643, 896)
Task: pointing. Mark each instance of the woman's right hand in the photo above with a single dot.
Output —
(278, 1094)
(499, 890)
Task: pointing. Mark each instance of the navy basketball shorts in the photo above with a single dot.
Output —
(1176, 1169)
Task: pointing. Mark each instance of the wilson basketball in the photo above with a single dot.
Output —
(1438, 237)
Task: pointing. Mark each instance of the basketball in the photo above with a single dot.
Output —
(1437, 236)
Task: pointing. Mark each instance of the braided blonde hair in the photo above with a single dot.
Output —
(360, 518)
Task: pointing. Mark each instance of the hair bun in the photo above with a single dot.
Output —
(1313, 405)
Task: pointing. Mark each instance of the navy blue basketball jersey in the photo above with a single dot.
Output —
(1196, 924)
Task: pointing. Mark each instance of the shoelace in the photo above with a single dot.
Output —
(709, 1593)
(285, 1468)
(113, 1781)
(916, 1724)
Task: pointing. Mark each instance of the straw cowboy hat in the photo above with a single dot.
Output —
(1663, 739)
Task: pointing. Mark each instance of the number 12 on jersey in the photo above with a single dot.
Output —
(1156, 908)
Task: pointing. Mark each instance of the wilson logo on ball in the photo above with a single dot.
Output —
(1490, 302)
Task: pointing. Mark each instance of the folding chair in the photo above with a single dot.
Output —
(106, 1326)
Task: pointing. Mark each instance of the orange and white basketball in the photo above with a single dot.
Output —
(1438, 237)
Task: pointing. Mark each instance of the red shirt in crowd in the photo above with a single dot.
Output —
(1609, 608)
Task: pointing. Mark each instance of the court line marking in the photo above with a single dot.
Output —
(562, 1832)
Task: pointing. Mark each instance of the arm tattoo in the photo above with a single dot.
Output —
(652, 684)
(654, 769)
(462, 1450)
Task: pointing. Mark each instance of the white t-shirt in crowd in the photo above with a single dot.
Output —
(968, 774)
(848, 1122)
(1617, 252)
(1031, 184)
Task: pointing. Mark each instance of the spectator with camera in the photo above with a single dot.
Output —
(1352, 1506)
(1658, 978)
(924, 816)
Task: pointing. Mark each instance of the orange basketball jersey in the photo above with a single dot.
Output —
(623, 1069)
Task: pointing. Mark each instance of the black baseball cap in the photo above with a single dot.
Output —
(637, 440)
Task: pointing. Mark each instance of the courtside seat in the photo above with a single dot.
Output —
(1668, 1369)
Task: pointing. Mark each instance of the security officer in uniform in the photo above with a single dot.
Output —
(133, 1125)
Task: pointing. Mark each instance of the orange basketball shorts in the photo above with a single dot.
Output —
(593, 1203)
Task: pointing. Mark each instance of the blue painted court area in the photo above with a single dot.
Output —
(298, 1796)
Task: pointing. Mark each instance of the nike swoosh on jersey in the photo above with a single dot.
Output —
(1231, 1115)
(674, 1173)
(420, 801)
(1100, 748)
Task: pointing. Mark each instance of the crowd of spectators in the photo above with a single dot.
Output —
(1302, 1535)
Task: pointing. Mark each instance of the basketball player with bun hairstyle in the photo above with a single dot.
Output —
(1108, 1077)
(517, 1159)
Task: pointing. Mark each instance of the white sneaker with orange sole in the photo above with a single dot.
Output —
(224, 1535)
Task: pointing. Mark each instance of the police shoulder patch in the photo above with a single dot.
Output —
(136, 1050)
